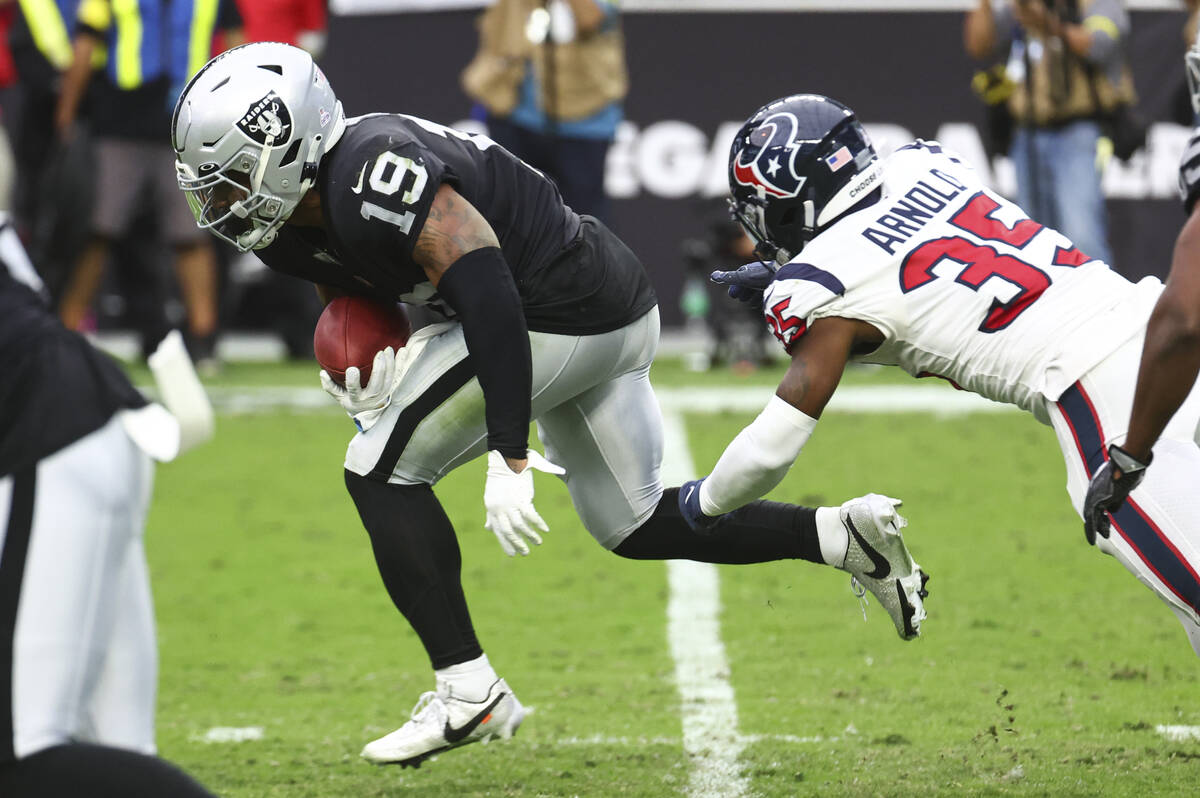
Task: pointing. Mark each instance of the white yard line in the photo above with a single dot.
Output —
(230, 734)
(938, 399)
(710, 720)
(1179, 734)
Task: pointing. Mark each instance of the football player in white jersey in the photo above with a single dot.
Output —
(1171, 356)
(914, 262)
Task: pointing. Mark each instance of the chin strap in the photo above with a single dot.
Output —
(260, 169)
(308, 173)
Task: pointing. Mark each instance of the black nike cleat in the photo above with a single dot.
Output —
(878, 561)
(440, 721)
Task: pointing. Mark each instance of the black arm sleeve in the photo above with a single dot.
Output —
(480, 288)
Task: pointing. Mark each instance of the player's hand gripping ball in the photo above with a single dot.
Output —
(352, 329)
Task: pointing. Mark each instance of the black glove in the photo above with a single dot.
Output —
(747, 283)
(1106, 495)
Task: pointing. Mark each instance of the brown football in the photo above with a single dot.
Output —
(352, 329)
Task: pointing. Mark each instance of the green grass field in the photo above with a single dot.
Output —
(1044, 668)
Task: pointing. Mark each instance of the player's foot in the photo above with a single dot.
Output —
(878, 561)
(441, 722)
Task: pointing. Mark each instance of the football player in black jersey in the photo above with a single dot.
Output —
(1171, 354)
(550, 316)
(78, 661)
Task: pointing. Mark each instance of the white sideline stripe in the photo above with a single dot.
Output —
(937, 399)
(709, 711)
(601, 739)
(231, 734)
(1179, 734)
(941, 401)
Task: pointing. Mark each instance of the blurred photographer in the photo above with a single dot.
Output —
(739, 337)
(1072, 102)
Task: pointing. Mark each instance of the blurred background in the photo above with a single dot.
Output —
(696, 69)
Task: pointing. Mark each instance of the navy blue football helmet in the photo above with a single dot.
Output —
(796, 166)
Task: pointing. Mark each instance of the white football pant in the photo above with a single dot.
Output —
(1156, 534)
(84, 663)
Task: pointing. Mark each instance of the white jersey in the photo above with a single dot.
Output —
(962, 284)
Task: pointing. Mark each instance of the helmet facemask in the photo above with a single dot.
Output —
(226, 202)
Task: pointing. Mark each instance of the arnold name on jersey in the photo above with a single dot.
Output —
(909, 215)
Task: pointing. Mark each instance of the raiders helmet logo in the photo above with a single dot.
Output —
(768, 160)
(269, 117)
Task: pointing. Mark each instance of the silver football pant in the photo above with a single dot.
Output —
(596, 414)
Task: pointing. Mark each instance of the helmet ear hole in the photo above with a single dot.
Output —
(290, 155)
(788, 218)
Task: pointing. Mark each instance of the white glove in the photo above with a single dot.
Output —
(508, 498)
(365, 404)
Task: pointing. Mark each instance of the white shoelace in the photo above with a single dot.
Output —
(425, 704)
(860, 592)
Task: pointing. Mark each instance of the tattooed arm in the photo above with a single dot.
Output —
(453, 228)
(761, 454)
(461, 256)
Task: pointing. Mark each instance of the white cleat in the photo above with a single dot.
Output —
(441, 721)
(878, 561)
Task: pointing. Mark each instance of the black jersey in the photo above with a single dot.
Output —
(57, 387)
(377, 185)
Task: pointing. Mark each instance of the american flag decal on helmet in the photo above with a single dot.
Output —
(838, 159)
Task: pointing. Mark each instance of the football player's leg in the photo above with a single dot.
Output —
(121, 709)
(77, 544)
(195, 259)
(610, 439)
(118, 189)
(1155, 534)
(420, 563)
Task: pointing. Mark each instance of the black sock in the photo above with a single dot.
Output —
(97, 771)
(758, 532)
(421, 565)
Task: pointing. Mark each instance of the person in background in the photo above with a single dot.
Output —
(550, 78)
(152, 46)
(78, 660)
(297, 22)
(53, 192)
(1066, 60)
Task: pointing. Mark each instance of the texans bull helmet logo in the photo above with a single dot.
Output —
(768, 161)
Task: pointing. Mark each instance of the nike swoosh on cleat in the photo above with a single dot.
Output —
(882, 568)
(454, 735)
(357, 187)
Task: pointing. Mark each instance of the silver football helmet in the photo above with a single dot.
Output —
(249, 131)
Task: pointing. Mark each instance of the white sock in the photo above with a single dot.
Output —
(831, 533)
(469, 681)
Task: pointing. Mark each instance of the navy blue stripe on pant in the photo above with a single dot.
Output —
(1131, 522)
